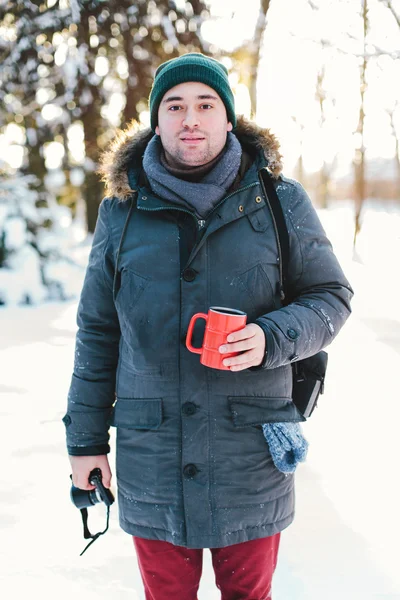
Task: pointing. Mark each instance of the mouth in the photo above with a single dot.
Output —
(192, 140)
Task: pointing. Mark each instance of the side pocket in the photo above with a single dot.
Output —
(131, 413)
(256, 411)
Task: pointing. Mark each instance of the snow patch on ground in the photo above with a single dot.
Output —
(344, 541)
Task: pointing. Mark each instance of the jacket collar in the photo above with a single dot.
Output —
(128, 147)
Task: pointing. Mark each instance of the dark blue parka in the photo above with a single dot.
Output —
(192, 465)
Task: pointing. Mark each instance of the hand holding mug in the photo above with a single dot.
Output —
(226, 336)
(250, 341)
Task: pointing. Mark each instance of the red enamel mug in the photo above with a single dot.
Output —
(220, 322)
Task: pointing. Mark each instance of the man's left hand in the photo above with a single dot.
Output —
(251, 342)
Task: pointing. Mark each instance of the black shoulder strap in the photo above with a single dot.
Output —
(117, 274)
(281, 232)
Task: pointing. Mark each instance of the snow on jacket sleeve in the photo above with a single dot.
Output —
(319, 290)
(92, 391)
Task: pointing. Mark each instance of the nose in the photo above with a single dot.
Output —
(190, 119)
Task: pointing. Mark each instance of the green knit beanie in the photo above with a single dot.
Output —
(191, 67)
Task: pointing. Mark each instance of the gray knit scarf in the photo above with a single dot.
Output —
(201, 196)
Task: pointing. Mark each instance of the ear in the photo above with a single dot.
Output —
(157, 130)
(229, 126)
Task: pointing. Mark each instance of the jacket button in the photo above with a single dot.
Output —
(292, 333)
(189, 408)
(189, 274)
(190, 471)
(67, 420)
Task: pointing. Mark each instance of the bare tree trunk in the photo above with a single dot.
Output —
(300, 169)
(93, 188)
(93, 124)
(247, 57)
(36, 163)
(390, 6)
(256, 54)
(140, 77)
(325, 173)
(397, 159)
(359, 159)
(139, 65)
(323, 188)
(391, 113)
(137, 80)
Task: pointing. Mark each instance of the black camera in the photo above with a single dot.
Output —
(86, 498)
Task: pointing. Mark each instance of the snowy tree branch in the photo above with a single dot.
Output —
(390, 6)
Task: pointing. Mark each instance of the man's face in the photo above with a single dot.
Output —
(192, 124)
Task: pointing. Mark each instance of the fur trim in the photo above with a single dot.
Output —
(129, 145)
(257, 138)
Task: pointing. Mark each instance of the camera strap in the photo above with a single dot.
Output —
(86, 533)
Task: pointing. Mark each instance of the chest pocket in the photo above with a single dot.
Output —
(257, 287)
(131, 288)
(260, 220)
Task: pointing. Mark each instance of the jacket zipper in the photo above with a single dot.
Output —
(281, 290)
(200, 222)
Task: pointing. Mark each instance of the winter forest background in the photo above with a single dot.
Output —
(323, 75)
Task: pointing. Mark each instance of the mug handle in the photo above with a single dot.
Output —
(190, 332)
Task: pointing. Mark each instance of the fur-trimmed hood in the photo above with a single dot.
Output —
(129, 145)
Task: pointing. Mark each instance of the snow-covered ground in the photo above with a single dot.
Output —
(344, 542)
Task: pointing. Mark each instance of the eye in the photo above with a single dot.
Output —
(206, 106)
(174, 108)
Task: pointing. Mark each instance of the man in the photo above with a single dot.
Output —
(185, 226)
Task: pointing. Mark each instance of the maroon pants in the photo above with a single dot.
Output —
(242, 571)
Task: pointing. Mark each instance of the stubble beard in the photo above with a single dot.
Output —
(190, 158)
(195, 157)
